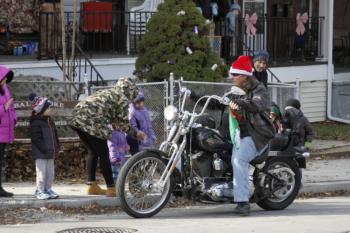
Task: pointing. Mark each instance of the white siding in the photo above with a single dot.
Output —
(110, 69)
(313, 97)
(132, 3)
(303, 73)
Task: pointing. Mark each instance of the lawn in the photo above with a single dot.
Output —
(330, 130)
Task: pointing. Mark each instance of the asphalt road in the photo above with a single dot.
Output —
(304, 216)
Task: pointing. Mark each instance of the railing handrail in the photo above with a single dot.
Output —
(48, 81)
(81, 52)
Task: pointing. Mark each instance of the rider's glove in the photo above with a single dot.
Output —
(308, 145)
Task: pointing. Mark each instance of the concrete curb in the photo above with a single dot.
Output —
(321, 187)
(332, 152)
(64, 201)
(81, 201)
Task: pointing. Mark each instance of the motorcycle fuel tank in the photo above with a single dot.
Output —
(210, 140)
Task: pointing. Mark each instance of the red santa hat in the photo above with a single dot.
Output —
(243, 66)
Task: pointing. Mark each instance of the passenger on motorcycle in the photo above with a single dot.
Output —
(255, 128)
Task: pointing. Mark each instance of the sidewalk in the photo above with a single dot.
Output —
(71, 195)
(330, 148)
(319, 176)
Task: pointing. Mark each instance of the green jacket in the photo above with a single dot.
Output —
(94, 114)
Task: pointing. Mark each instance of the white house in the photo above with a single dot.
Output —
(110, 41)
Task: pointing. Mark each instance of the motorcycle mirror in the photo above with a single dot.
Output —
(186, 91)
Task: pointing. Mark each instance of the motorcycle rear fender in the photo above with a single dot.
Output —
(301, 161)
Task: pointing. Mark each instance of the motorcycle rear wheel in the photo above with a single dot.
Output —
(285, 196)
(140, 196)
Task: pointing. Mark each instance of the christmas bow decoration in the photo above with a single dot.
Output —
(301, 20)
(250, 21)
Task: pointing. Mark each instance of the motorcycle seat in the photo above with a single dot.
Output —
(262, 155)
(279, 142)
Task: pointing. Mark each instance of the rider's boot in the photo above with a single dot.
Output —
(243, 208)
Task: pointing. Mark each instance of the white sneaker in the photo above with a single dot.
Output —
(52, 194)
(43, 196)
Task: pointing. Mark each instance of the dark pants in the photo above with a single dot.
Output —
(133, 143)
(2, 153)
(97, 149)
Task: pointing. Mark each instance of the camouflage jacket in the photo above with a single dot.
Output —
(94, 114)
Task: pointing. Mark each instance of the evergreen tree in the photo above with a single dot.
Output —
(175, 42)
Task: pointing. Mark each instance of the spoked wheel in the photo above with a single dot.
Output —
(141, 194)
(280, 193)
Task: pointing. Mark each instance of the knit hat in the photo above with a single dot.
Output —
(293, 103)
(40, 104)
(261, 55)
(275, 110)
(243, 65)
(140, 97)
(235, 6)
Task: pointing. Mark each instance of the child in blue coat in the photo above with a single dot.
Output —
(140, 120)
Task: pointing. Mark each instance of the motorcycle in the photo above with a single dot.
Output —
(195, 161)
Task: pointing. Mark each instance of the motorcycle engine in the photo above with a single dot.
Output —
(209, 165)
(223, 191)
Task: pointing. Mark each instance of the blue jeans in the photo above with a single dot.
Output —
(115, 171)
(240, 163)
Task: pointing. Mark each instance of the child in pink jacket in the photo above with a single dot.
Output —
(8, 119)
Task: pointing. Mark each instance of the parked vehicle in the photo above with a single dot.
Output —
(195, 161)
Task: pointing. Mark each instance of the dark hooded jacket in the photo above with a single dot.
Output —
(295, 120)
(43, 137)
(261, 77)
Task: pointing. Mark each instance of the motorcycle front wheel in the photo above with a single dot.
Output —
(281, 195)
(138, 187)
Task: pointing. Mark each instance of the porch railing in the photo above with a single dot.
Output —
(112, 32)
(276, 35)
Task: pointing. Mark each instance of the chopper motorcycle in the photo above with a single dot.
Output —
(195, 161)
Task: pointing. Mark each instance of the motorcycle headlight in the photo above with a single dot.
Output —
(170, 112)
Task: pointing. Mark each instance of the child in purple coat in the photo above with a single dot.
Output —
(118, 148)
(140, 120)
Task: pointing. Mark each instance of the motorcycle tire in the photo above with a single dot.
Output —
(121, 184)
(266, 203)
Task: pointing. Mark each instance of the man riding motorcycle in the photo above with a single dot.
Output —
(254, 125)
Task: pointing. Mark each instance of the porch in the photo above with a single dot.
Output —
(117, 34)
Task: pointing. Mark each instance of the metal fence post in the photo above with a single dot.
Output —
(274, 94)
(87, 88)
(171, 89)
(297, 89)
(166, 101)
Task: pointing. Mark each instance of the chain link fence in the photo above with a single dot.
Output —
(157, 96)
(156, 99)
(62, 95)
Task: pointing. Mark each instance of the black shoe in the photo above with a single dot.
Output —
(3, 193)
(243, 209)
